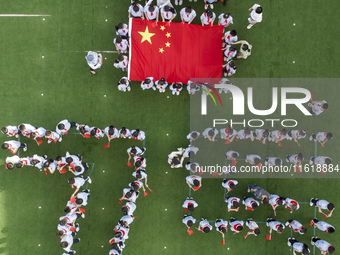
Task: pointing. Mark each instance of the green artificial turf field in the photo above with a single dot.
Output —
(45, 78)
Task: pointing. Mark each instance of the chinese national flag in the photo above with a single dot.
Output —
(177, 52)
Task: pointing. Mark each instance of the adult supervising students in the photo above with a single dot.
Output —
(94, 60)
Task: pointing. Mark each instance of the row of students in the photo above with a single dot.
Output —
(130, 195)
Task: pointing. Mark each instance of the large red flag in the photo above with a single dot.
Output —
(178, 52)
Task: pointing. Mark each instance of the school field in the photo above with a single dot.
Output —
(45, 79)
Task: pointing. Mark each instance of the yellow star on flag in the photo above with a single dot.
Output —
(161, 50)
(146, 35)
(167, 44)
(162, 28)
(168, 34)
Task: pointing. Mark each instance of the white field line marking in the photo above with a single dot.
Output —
(92, 50)
(23, 15)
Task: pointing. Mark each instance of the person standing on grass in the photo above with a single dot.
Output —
(297, 246)
(322, 205)
(255, 15)
(94, 60)
(318, 107)
(325, 247)
(245, 49)
(204, 226)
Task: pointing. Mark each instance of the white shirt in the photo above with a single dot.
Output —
(189, 135)
(124, 31)
(206, 131)
(136, 158)
(323, 204)
(123, 87)
(78, 182)
(97, 60)
(229, 38)
(127, 134)
(69, 240)
(122, 64)
(225, 22)
(175, 89)
(148, 86)
(289, 202)
(136, 14)
(127, 218)
(251, 158)
(28, 130)
(141, 135)
(132, 207)
(167, 15)
(224, 132)
(122, 45)
(14, 159)
(75, 158)
(41, 159)
(295, 134)
(138, 150)
(298, 246)
(252, 225)
(255, 16)
(250, 201)
(206, 20)
(190, 148)
(84, 196)
(323, 226)
(204, 224)
(227, 184)
(229, 54)
(235, 224)
(191, 179)
(158, 86)
(66, 229)
(81, 167)
(133, 197)
(275, 225)
(115, 130)
(69, 218)
(271, 161)
(152, 15)
(187, 218)
(318, 108)
(143, 174)
(188, 202)
(231, 200)
(295, 225)
(72, 206)
(320, 160)
(12, 130)
(323, 245)
(321, 136)
(124, 231)
(187, 17)
(293, 159)
(222, 223)
(99, 133)
(67, 127)
(241, 134)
